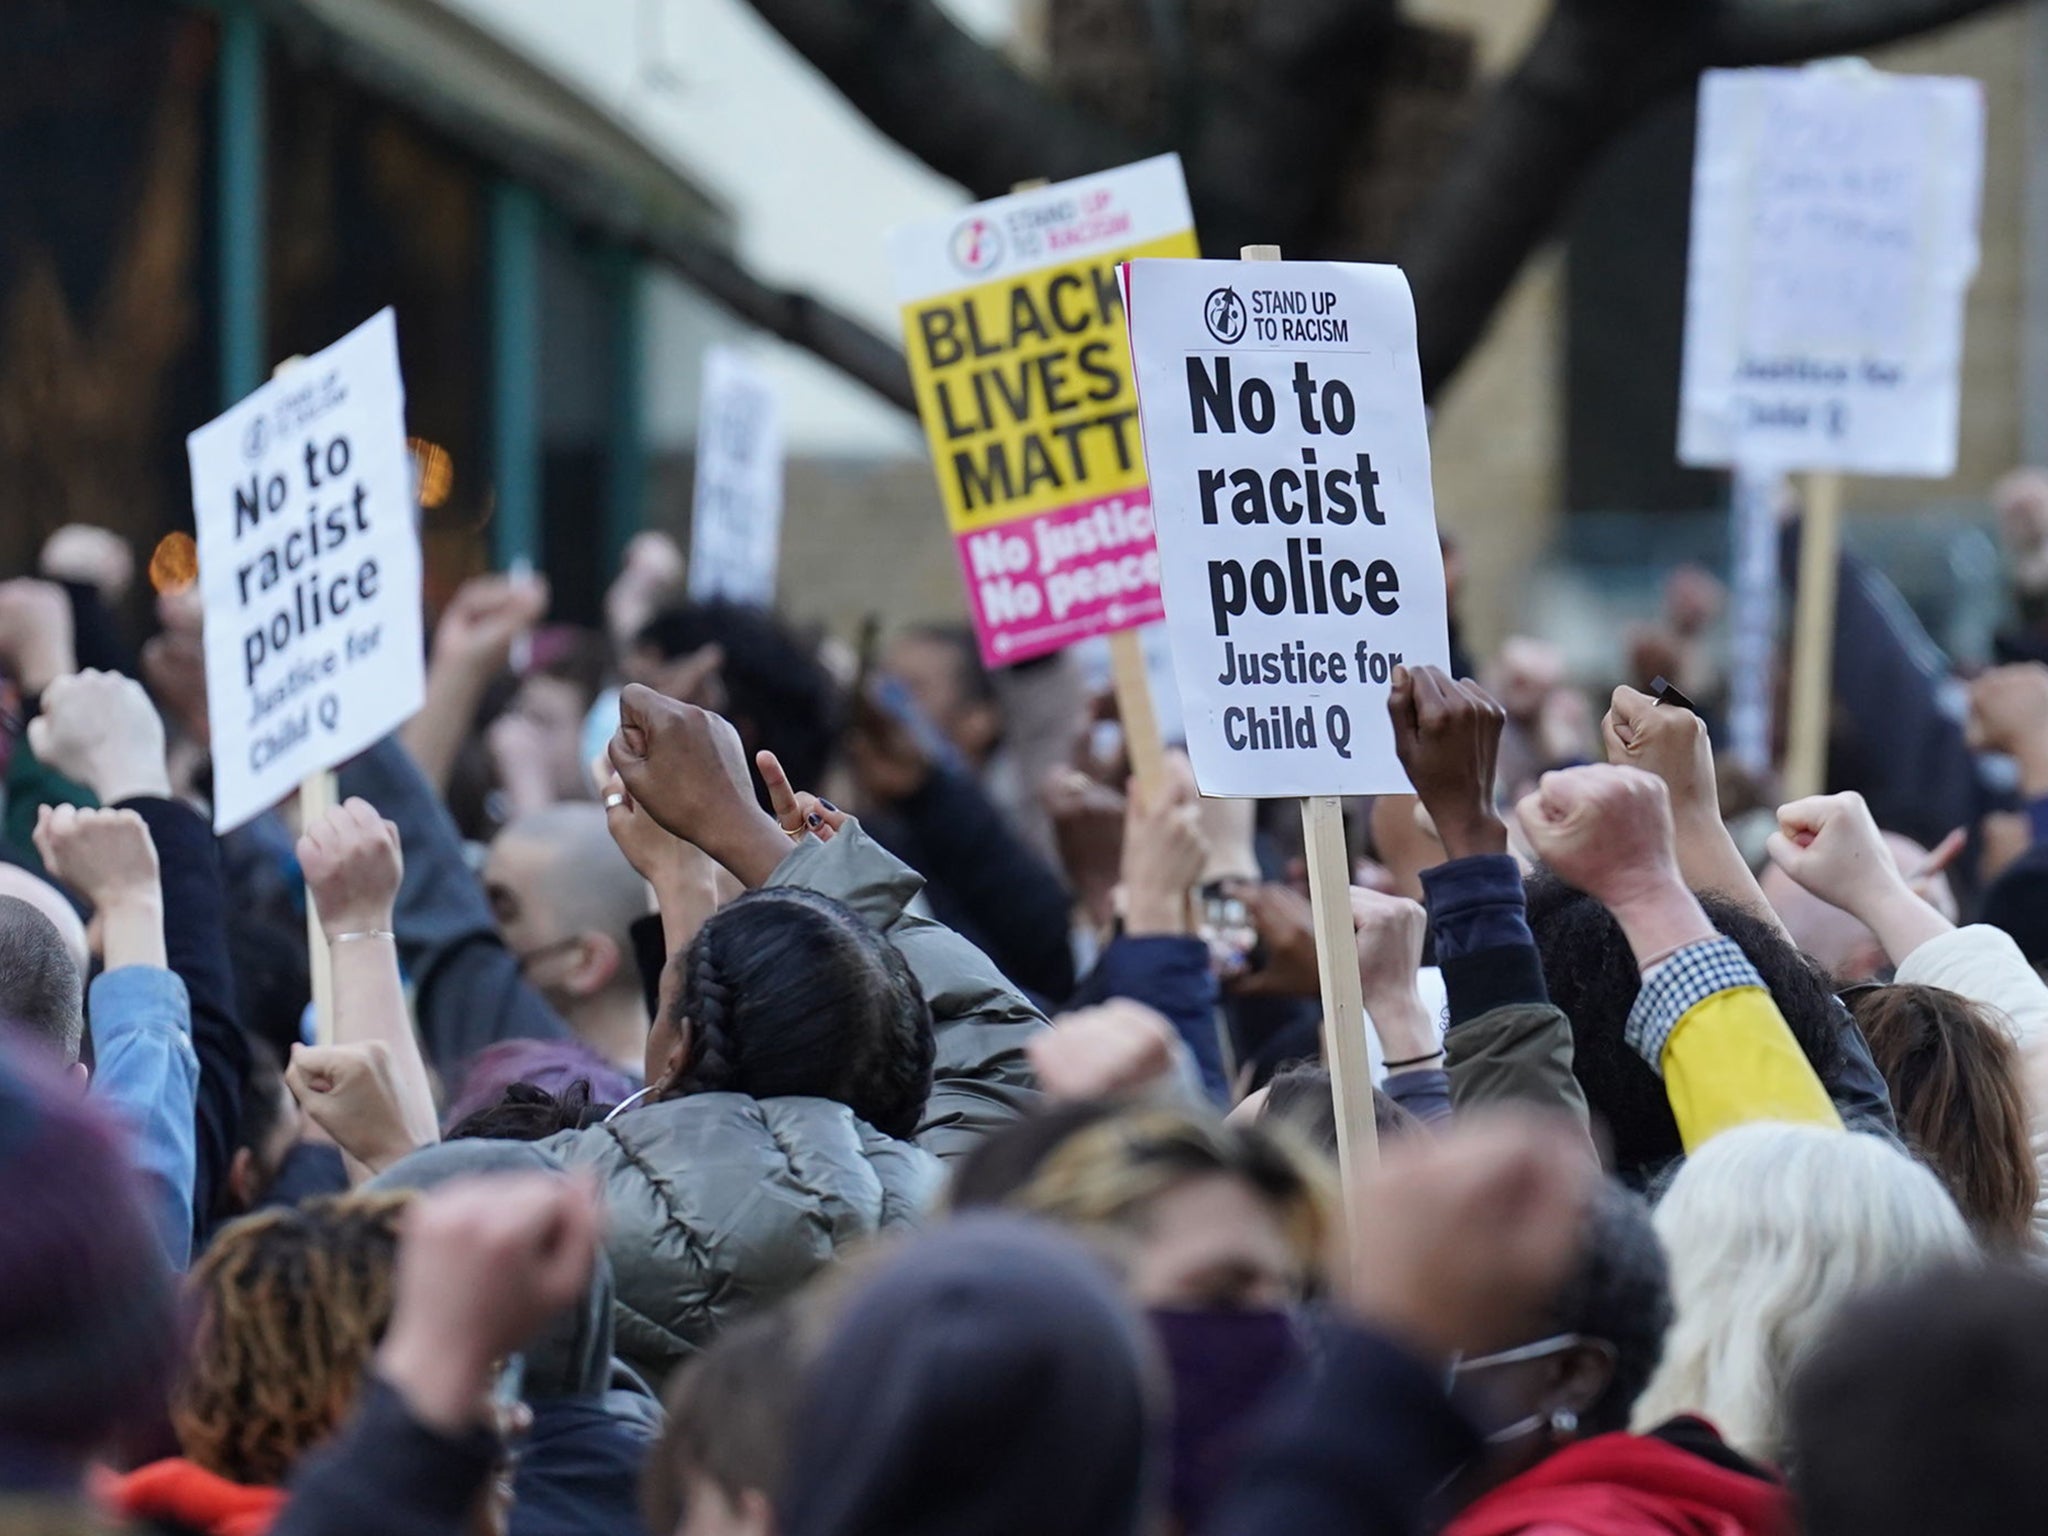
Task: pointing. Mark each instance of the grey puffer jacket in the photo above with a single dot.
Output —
(720, 1203)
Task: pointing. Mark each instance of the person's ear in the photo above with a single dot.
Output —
(755, 1515)
(79, 1075)
(242, 1178)
(677, 1062)
(594, 964)
(1583, 1376)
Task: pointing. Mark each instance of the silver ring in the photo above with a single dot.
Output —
(614, 800)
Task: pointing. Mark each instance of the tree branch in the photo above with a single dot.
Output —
(1593, 69)
(953, 102)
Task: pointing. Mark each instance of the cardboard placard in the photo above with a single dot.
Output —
(736, 517)
(1289, 458)
(1834, 235)
(1015, 336)
(309, 568)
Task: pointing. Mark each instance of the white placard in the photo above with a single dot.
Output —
(1834, 235)
(736, 522)
(1289, 460)
(309, 567)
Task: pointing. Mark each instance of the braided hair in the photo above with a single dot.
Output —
(788, 992)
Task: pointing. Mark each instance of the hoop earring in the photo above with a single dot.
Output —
(1564, 1424)
(628, 1102)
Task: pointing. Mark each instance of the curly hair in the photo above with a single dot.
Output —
(288, 1307)
(787, 992)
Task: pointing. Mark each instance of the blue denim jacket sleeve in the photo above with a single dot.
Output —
(146, 1072)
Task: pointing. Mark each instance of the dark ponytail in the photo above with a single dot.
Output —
(787, 992)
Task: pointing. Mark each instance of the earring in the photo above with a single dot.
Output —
(1563, 1423)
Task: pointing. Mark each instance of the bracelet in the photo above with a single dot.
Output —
(367, 933)
(1412, 1061)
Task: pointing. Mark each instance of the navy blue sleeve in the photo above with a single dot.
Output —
(386, 1472)
(1425, 1093)
(1169, 972)
(468, 992)
(1357, 1447)
(1479, 923)
(196, 947)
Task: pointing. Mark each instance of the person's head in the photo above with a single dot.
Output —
(86, 1317)
(566, 901)
(1770, 1230)
(770, 683)
(1199, 1214)
(26, 885)
(564, 679)
(1921, 1410)
(528, 1112)
(42, 989)
(1593, 978)
(288, 1307)
(1954, 1076)
(723, 1455)
(269, 1128)
(940, 666)
(551, 1066)
(1299, 1095)
(986, 1378)
(1580, 1373)
(787, 992)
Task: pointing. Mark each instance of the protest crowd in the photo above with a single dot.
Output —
(774, 1091)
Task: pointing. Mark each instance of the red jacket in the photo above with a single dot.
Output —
(1631, 1485)
(186, 1493)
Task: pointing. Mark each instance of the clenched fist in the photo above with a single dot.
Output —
(353, 867)
(1603, 829)
(100, 729)
(684, 767)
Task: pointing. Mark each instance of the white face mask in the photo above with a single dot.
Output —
(1563, 1420)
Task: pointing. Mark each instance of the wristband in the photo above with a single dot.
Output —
(1412, 1061)
(367, 933)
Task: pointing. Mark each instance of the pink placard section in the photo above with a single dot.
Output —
(1044, 582)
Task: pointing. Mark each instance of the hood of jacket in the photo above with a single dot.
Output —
(719, 1203)
(1631, 1485)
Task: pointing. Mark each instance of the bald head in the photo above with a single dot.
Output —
(556, 875)
(42, 989)
(53, 904)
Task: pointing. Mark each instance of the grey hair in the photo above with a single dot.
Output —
(1770, 1229)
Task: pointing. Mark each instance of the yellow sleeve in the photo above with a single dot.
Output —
(1731, 1059)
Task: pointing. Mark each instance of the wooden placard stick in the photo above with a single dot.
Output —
(1813, 638)
(1329, 894)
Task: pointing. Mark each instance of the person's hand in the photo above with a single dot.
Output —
(797, 811)
(651, 571)
(109, 858)
(353, 868)
(1670, 742)
(889, 763)
(351, 1092)
(483, 1264)
(105, 856)
(684, 766)
(1088, 828)
(1389, 931)
(1447, 736)
(1607, 832)
(100, 730)
(1164, 854)
(94, 557)
(1465, 1238)
(36, 641)
(2009, 713)
(1523, 673)
(1286, 927)
(518, 749)
(1117, 1049)
(484, 617)
(1831, 845)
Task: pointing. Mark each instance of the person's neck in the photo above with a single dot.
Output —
(614, 1024)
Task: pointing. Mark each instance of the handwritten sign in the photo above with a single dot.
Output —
(736, 520)
(1015, 333)
(1284, 430)
(1834, 235)
(309, 567)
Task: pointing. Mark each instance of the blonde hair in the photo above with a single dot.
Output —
(1770, 1229)
(1106, 1176)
